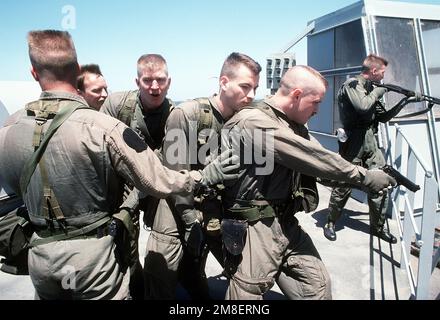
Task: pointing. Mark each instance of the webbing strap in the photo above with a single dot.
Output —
(205, 119)
(38, 133)
(128, 105)
(82, 232)
(252, 210)
(50, 202)
(31, 164)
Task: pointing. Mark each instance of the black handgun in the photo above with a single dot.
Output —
(400, 179)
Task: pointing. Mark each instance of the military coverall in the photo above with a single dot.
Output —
(127, 107)
(166, 256)
(87, 160)
(275, 247)
(360, 111)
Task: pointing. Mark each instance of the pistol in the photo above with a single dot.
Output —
(400, 179)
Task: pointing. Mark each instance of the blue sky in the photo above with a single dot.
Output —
(194, 36)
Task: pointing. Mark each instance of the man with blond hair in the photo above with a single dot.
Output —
(146, 111)
(184, 230)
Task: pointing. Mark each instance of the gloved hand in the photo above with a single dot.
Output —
(416, 98)
(378, 181)
(224, 167)
(194, 238)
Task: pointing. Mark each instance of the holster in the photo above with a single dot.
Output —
(306, 197)
(149, 206)
(123, 231)
(234, 235)
(15, 232)
(212, 215)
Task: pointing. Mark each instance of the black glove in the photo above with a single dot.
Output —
(224, 167)
(378, 181)
(194, 238)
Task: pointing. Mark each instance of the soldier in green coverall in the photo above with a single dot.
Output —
(361, 110)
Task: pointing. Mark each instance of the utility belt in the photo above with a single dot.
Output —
(235, 224)
(254, 210)
(96, 230)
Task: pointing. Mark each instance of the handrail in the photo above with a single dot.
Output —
(407, 225)
(422, 162)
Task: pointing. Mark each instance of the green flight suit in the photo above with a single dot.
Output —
(165, 255)
(360, 111)
(87, 160)
(275, 247)
(127, 107)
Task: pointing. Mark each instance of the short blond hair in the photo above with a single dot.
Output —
(299, 77)
(52, 54)
(373, 61)
(151, 61)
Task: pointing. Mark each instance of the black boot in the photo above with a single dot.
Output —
(329, 231)
(384, 235)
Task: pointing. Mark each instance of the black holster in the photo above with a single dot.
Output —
(234, 239)
(15, 232)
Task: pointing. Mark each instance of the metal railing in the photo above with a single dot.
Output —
(409, 229)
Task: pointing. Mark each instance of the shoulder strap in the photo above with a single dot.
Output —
(32, 163)
(205, 119)
(205, 114)
(128, 107)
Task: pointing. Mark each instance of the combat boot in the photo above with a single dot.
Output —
(329, 231)
(384, 235)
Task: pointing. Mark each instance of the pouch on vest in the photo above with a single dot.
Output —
(15, 232)
(306, 197)
(234, 235)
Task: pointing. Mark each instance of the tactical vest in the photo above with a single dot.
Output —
(209, 203)
(133, 117)
(57, 228)
(44, 111)
(204, 120)
(304, 195)
(350, 119)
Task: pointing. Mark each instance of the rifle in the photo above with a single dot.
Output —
(392, 87)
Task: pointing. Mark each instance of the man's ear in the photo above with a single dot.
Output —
(137, 81)
(34, 73)
(224, 83)
(296, 93)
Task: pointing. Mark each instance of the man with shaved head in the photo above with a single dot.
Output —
(262, 240)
